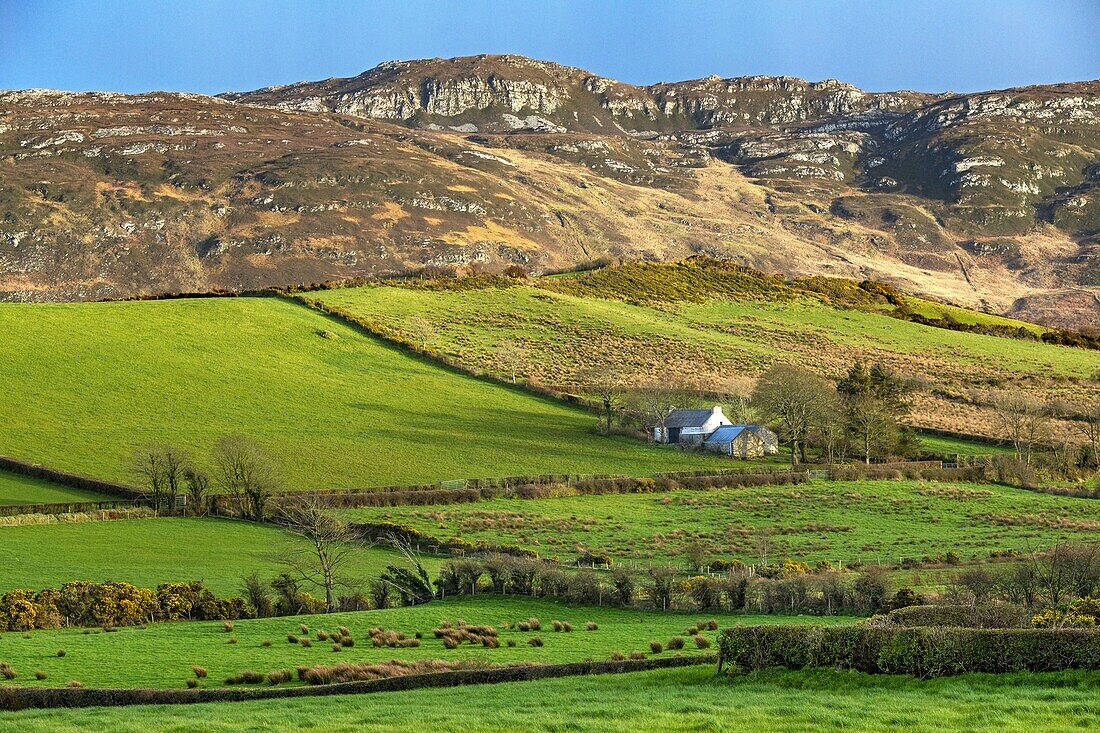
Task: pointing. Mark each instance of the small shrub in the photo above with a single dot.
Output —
(322, 635)
(523, 626)
(7, 672)
(637, 655)
(303, 628)
(303, 641)
(60, 652)
(347, 641)
(337, 648)
(489, 642)
(691, 631)
(192, 682)
(449, 643)
(535, 641)
(702, 642)
(292, 638)
(227, 626)
(656, 647)
(199, 672)
(534, 624)
(676, 642)
(566, 627)
(511, 642)
(557, 625)
(231, 640)
(344, 631)
(712, 624)
(39, 674)
(618, 656)
(591, 626)
(75, 684)
(265, 643)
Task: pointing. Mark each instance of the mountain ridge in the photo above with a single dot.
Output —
(990, 199)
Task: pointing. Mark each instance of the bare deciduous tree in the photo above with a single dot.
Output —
(422, 330)
(197, 482)
(791, 396)
(1023, 420)
(162, 468)
(247, 473)
(329, 544)
(512, 356)
(1089, 420)
(607, 386)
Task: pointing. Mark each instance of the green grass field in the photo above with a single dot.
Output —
(162, 655)
(932, 309)
(16, 489)
(872, 521)
(949, 446)
(148, 552)
(689, 700)
(340, 411)
(559, 330)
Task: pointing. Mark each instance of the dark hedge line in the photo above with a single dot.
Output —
(22, 698)
(989, 616)
(921, 652)
(76, 507)
(72, 480)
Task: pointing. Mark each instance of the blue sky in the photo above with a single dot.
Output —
(206, 46)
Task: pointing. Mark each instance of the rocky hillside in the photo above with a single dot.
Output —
(989, 200)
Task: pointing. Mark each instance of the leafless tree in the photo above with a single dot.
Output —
(512, 355)
(247, 473)
(1022, 419)
(328, 545)
(1089, 420)
(162, 468)
(606, 385)
(657, 401)
(791, 397)
(422, 330)
(197, 482)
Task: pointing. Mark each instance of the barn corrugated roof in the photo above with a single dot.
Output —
(725, 434)
(687, 418)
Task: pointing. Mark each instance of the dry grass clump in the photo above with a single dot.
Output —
(591, 626)
(247, 677)
(279, 676)
(39, 674)
(380, 637)
(192, 683)
(676, 642)
(292, 638)
(227, 626)
(655, 646)
(637, 655)
(322, 635)
(303, 628)
(199, 672)
(75, 684)
(304, 641)
(535, 641)
(702, 642)
(60, 652)
(231, 640)
(531, 624)
(331, 674)
(7, 672)
(458, 632)
(265, 643)
(618, 656)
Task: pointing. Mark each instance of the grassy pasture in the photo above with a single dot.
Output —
(342, 410)
(948, 446)
(162, 655)
(839, 521)
(692, 699)
(148, 552)
(16, 489)
(722, 341)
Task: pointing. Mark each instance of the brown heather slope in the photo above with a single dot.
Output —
(988, 200)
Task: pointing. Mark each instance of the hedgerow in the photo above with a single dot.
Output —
(921, 651)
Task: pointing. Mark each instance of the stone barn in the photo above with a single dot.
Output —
(743, 441)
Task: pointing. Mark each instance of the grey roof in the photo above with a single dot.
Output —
(726, 433)
(687, 418)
